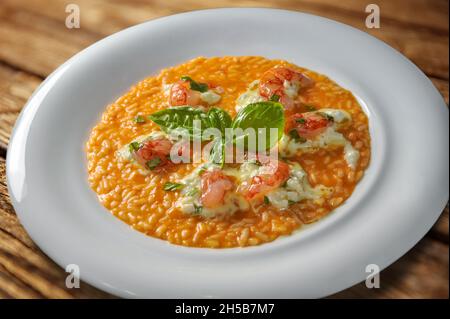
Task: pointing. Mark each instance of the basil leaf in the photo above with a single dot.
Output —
(196, 86)
(197, 209)
(218, 152)
(193, 192)
(170, 186)
(134, 146)
(153, 163)
(275, 98)
(181, 117)
(326, 116)
(311, 108)
(219, 119)
(294, 134)
(256, 162)
(261, 115)
(139, 119)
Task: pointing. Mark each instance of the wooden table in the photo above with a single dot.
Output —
(34, 41)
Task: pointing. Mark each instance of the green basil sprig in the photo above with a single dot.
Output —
(196, 86)
(219, 119)
(171, 186)
(260, 115)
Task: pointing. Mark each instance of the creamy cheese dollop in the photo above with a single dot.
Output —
(210, 97)
(291, 88)
(250, 96)
(124, 152)
(295, 189)
(189, 200)
(289, 146)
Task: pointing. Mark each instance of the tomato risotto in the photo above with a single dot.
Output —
(322, 148)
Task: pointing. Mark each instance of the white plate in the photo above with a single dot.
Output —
(396, 203)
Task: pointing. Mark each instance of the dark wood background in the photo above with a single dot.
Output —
(34, 41)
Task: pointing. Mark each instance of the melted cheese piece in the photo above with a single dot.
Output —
(330, 138)
(189, 201)
(249, 96)
(124, 152)
(296, 189)
(341, 118)
(252, 94)
(210, 97)
(291, 88)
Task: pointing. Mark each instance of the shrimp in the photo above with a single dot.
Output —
(192, 93)
(272, 174)
(309, 125)
(273, 82)
(181, 94)
(214, 186)
(154, 154)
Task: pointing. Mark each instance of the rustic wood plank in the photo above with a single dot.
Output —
(32, 268)
(33, 30)
(37, 44)
(15, 89)
(442, 86)
(433, 14)
(421, 273)
(14, 288)
(440, 230)
(410, 13)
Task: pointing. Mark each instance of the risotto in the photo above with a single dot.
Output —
(141, 154)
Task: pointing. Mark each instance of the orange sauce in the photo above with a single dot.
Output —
(141, 202)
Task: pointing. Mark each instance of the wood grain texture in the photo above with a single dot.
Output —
(34, 41)
(44, 43)
(15, 89)
(421, 273)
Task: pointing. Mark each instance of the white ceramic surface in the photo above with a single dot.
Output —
(396, 203)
